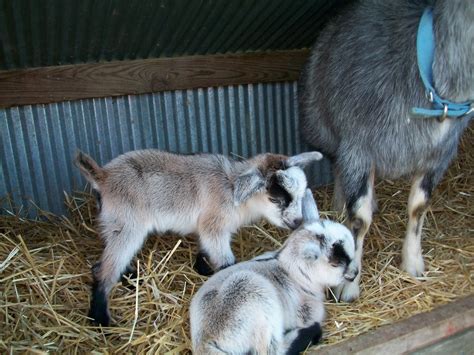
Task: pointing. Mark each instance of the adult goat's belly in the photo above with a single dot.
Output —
(409, 155)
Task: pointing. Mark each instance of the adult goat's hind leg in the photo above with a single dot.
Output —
(418, 201)
(121, 245)
(358, 186)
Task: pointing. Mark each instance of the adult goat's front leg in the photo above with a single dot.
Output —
(418, 201)
(338, 198)
(359, 189)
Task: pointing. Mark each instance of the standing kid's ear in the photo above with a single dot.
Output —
(293, 179)
(247, 185)
(303, 159)
(285, 180)
(309, 208)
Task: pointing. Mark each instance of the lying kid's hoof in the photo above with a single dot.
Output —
(225, 266)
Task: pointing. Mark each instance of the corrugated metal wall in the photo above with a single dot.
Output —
(38, 142)
(37, 33)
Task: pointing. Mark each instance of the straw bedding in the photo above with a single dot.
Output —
(45, 273)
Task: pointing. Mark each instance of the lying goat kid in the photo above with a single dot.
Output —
(150, 191)
(273, 304)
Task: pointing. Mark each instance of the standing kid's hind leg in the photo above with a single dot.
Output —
(121, 245)
(129, 273)
(418, 201)
(358, 186)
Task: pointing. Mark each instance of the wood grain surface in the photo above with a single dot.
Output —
(412, 334)
(72, 82)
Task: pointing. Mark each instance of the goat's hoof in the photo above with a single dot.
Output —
(347, 291)
(127, 276)
(99, 309)
(202, 265)
(225, 266)
(99, 317)
(413, 265)
(317, 333)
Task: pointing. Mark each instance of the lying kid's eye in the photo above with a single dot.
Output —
(273, 200)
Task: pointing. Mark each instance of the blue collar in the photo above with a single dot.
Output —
(425, 48)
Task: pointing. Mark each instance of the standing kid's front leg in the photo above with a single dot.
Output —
(215, 252)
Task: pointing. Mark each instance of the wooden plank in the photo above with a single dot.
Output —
(411, 334)
(462, 343)
(72, 82)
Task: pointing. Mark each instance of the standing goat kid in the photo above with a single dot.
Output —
(356, 97)
(151, 191)
(274, 304)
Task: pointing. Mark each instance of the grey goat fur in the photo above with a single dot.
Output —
(210, 195)
(355, 97)
(274, 303)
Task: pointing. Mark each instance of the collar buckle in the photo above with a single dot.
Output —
(430, 96)
(445, 113)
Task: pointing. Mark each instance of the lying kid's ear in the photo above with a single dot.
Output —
(247, 185)
(311, 250)
(309, 208)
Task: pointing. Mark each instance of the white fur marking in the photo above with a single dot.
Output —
(412, 258)
(349, 291)
(443, 129)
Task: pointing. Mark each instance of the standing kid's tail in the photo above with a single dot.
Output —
(90, 169)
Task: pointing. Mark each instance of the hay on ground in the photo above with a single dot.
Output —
(45, 273)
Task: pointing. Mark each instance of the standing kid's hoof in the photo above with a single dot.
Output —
(202, 265)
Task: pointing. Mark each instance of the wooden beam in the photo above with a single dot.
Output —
(81, 81)
(411, 334)
(462, 343)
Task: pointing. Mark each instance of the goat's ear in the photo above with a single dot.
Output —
(247, 185)
(303, 159)
(309, 208)
(285, 180)
(311, 250)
